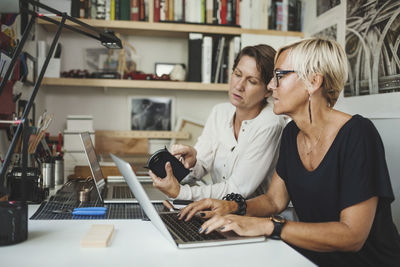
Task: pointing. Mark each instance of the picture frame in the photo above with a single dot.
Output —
(100, 59)
(328, 33)
(151, 113)
(194, 127)
(30, 67)
(374, 67)
(163, 68)
(325, 5)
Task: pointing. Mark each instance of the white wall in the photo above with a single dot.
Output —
(110, 108)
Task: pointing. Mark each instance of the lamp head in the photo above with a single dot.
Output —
(109, 40)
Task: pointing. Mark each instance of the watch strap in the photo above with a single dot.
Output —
(278, 226)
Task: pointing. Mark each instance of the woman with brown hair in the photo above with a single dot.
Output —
(240, 141)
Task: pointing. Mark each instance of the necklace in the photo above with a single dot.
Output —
(316, 143)
(312, 146)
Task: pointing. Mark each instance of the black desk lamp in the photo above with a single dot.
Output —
(107, 38)
(13, 223)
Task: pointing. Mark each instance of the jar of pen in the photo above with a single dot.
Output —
(45, 164)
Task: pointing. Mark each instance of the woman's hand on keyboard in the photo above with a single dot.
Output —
(241, 225)
(208, 207)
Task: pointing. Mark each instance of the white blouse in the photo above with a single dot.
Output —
(243, 166)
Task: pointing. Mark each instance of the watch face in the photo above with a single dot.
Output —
(278, 219)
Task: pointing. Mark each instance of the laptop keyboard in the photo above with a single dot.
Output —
(188, 231)
(122, 192)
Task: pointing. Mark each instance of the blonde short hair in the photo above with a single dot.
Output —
(317, 55)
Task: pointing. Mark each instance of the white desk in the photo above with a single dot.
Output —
(134, 243)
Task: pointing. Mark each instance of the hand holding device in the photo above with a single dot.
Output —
(186, 154)
(157, 163)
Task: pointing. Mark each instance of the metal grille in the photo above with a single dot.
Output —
(61, 205)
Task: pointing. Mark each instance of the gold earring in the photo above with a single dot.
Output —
(309, 107)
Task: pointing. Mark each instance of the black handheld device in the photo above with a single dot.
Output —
(158, 160)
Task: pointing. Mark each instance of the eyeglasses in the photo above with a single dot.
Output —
(278, 74)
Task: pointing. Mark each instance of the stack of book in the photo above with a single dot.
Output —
(251, 14)
(285, 15)
(211, 58)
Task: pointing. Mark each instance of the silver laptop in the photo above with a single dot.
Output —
(116, 191)
(182, 234)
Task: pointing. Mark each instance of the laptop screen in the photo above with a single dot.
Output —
(93, 162)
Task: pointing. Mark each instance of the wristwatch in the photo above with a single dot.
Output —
(278, 222)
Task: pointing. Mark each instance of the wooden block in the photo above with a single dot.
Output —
(98, 236)
(144, 134)
(120, 145)
(84, 171)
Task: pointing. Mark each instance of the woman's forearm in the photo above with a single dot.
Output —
(261, 206)
(323, 237)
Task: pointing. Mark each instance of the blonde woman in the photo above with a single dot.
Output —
(331, 166)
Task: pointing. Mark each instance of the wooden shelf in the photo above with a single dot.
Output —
(114, 83)
(167, 29)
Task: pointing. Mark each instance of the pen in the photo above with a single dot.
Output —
(91, 209)
(89, 212)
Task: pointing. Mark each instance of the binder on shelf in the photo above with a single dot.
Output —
(223, 11)
(100, 12)
(279, 16)
(245, 14)
(125, 7)
(294, 15)
(166, 9)
(112, 10)
(195, 54)
(108, 10)
(206, 63)
(142, 11)
(234, 49)
(209, 11)
(178, 10)
(224, 65)
(219, 57)
(163, 9)
(237, 12)
(150, 10)
(171, 9)
(156, 10)
(285, 15)
(135, 10)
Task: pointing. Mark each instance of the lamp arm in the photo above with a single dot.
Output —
(57, 22)
(28, 107)
(107, 39)
(55, 11)
(17, 52)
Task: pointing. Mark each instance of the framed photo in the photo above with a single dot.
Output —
(101, 59)
(328, 32)
(325, 5)
(374, 66)
(151, 113)
(195, 128)
(30, 71)
(163, 68)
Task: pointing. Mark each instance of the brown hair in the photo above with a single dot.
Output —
(264, 56)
